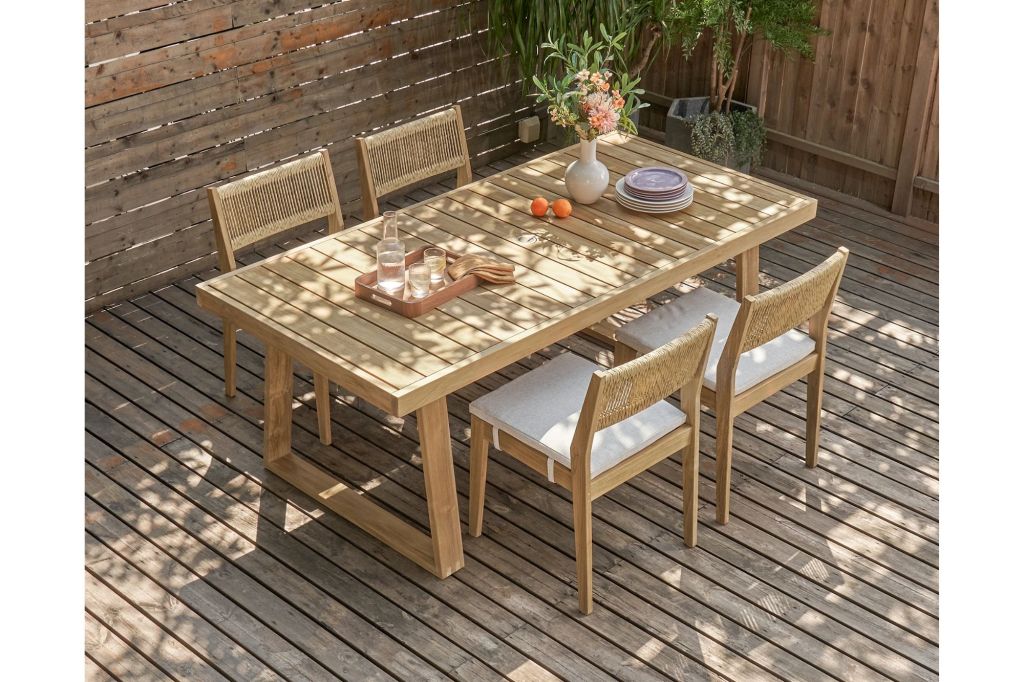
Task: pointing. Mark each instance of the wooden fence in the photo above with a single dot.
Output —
(180, 96)
(862, 118)
(183, 95)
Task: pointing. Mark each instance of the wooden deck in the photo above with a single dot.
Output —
(199, 566)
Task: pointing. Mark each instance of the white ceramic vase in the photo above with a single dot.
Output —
(586, 178)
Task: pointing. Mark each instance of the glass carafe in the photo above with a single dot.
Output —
(390, 255)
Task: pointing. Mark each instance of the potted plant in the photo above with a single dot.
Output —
(716, 126)
(584, 95)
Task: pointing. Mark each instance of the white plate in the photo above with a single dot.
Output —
(645, 205)
(671, 208)
(654, 204)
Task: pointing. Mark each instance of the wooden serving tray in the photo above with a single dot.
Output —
(402, 301)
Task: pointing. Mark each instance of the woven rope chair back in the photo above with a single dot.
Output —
(415, 151)
(634, 386)
(781, 309)
(275, 200)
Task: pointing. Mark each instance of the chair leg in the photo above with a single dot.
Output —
(815, 389)
(690, 477)
(229, 361)
(583, 530)
(322, 388)
(723, 459)
(479, 442)
(623, 353)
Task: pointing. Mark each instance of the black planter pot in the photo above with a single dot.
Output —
(679, 124)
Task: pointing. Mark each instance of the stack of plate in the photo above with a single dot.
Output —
(654, 190)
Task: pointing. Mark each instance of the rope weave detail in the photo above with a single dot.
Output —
(636, 385)
(415, 151)
(275, 200)
(781, 309)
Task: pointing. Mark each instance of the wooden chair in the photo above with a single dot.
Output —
(589, 429)
(757, 351)
(406, 154)
(265, 204)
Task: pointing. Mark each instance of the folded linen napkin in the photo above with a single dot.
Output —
(485, 268)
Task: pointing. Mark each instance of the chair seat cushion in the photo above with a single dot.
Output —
(541, 408)
(669, 321)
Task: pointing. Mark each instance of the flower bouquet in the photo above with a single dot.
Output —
(592, 100)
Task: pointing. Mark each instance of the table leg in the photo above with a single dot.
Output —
(277, 405)
(439, 478)
(441, 551)
(747, 266)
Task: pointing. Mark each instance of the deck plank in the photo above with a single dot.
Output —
(830, 573)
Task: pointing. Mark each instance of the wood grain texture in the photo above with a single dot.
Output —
(840, 120)
(823, 573)
(558, 291)
(182, 96)
(554, 296)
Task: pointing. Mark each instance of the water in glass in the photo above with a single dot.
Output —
(419, 279)
(390, 265)
(435, 260)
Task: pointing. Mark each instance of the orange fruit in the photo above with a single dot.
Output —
(539, 207)
(562, 208)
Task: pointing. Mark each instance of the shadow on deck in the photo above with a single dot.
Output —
(201, 566)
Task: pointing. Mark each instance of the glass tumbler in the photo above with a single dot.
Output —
(419, 280)
(390, 265)
(435, 259)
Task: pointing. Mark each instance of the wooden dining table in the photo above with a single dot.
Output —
(576, 273)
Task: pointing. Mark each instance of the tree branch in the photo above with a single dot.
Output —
(734, 77)
(645, 58)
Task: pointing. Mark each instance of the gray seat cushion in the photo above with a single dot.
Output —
(669, 321)
(541, 408)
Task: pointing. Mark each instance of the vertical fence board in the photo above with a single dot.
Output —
(840, 121)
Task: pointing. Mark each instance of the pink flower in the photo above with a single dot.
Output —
(604, 121)
(600, 113)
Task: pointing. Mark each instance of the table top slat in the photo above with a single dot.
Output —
(464, 309)
(604, 245)
(656, 237)
(338, 287)
(525, 304)
(556, 277)
(314, 329)
(303, 299)
(407, 333)
(682, 227)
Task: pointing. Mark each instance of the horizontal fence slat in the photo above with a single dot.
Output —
(184, 95)
(194, 58)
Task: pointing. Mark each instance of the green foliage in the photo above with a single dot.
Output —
(519, 28)
(734, 138)
(713, 138)
(732, 26)
(748, 129)
(567, 88)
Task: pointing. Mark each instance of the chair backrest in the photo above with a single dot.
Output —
(269, 202)
(414, 151)
(768, 315)
(776, 311)
(619, 393)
